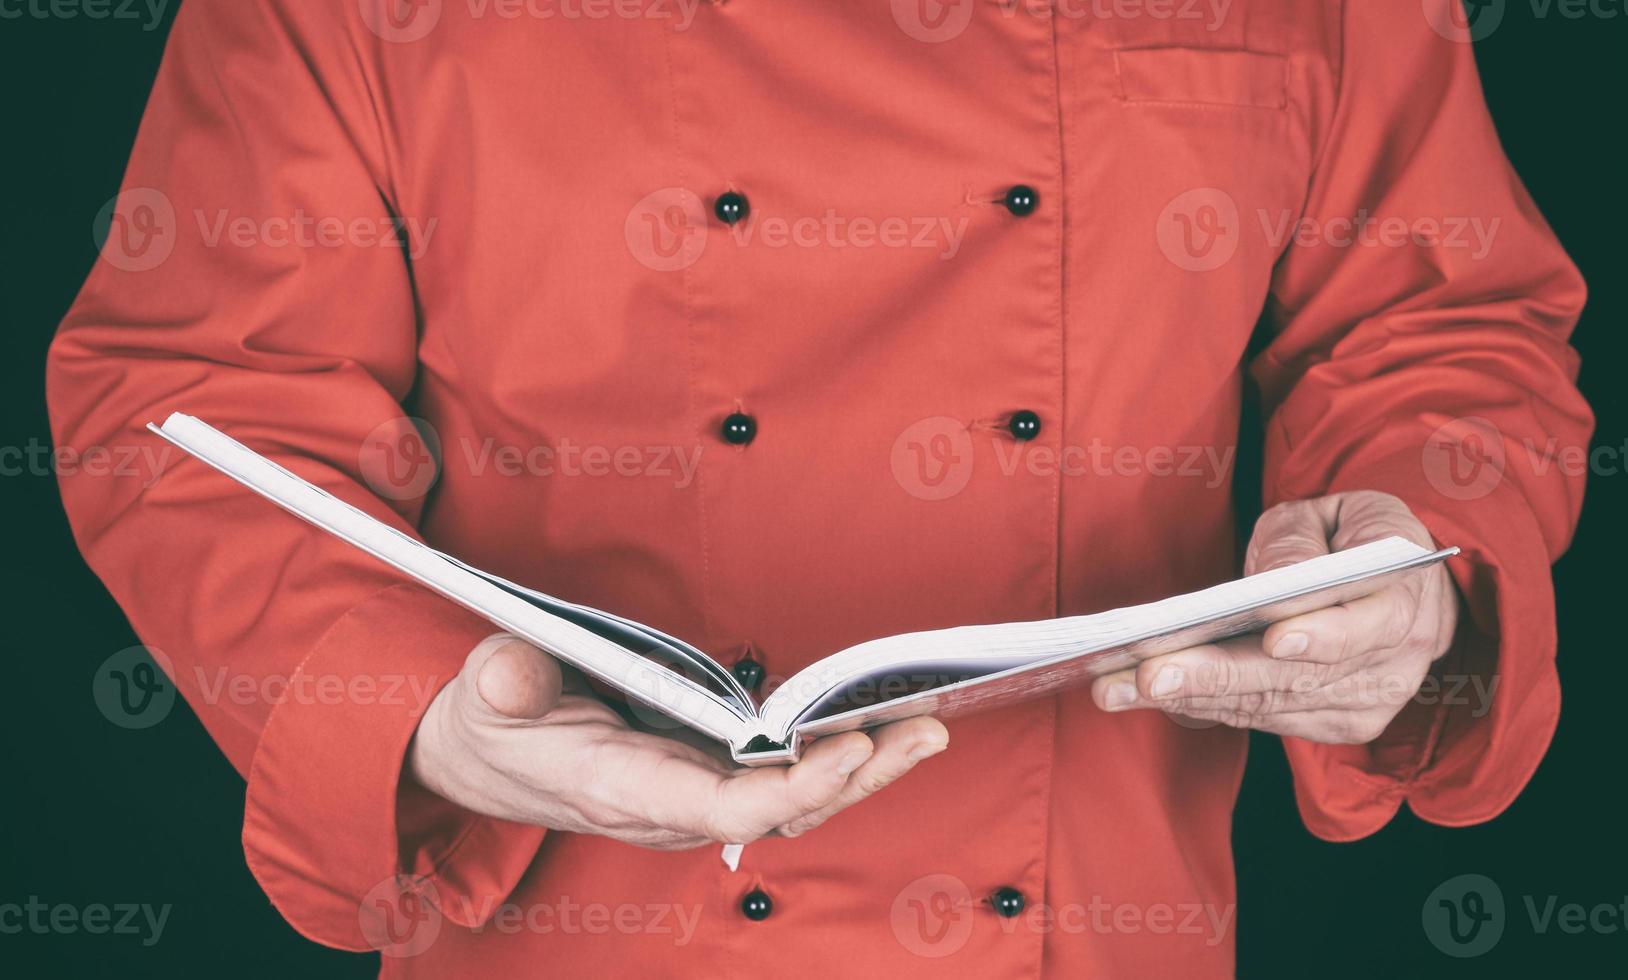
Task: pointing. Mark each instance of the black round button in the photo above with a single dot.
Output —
(739, 429)
(1024, 424)
(1021, 200)
(731, 207)
(749, 672)
(1008, 901)
(757, 906)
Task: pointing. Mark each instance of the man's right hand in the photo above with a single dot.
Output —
(506, 740)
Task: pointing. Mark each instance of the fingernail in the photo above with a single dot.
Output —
(924, 750)
(1292, 645)
(1167, 682)
(853, 760)
(1120, 694)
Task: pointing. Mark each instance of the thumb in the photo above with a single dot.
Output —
(1291, 532)
(511, 679)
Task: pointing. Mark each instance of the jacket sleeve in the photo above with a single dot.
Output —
(249, 278)
(1423, 353)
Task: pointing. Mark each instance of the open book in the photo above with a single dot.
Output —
(940, 672)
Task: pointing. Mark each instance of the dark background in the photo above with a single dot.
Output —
(97, 813)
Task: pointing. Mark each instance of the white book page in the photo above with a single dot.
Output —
(970, 652)
(628, 633)
(649, 683)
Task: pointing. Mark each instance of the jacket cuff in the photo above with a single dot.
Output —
(331, 831)
(1465, 746)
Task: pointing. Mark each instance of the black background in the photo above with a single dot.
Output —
(97, 813)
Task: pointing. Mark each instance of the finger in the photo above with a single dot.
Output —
(513, 680)
(1230, 669)
(899, 747)
(1329, 726)
(1368, 515)
(1358, 691)
(1334, 727)
(743, 805)
(1288, 533)
(1381, 621)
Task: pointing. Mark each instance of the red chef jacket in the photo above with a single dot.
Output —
(977, 279)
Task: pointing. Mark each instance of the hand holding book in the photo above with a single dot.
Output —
(1334, 675)
(512, 737)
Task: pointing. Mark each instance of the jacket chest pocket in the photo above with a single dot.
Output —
(1209, 145)
(1190, 160)
(1201, 78)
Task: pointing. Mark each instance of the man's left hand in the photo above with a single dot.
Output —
(1338, 675)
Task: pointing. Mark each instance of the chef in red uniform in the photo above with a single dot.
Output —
(782, 326)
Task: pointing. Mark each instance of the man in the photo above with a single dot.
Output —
(783, 326)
